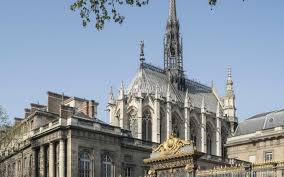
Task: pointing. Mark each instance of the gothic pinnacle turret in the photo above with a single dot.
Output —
(229, 101)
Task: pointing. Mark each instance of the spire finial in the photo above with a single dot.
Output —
(121, 91)
(142, 56)
(111, 97)
(172, 10)
(229, 71)
(230, 83)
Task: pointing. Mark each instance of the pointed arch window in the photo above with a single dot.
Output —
(84, 164)
(147, 125)
(176, 123)
(132, 122)
(107, 167)
(209, 144)
(209, 139)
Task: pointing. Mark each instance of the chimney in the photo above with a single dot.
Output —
(27, 112)
(66, 111)
(92, 110)
(54, 102)
(35, 107)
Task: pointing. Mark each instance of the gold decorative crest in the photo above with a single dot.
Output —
(171, 146)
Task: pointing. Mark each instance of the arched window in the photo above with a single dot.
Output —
(107, 167)
(84, 165)
(209, 144)
(132, 122)
(176, 125)
(163, 128)
(147, 125)
(209, 139)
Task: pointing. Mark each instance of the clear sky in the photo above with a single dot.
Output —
(43, 47)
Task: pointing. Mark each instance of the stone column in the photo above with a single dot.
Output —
(139, 116)
(218, 137)
(187, 123)
(51, 159)
(42, 161)
(34, 163)
(61, 158)
(156, 120)
(203, 133)
(169, 119)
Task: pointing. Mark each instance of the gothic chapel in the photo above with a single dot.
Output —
(159, 102)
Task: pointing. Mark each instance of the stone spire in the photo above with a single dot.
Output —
(111, 97)
(121, 91)
(172, 10)
(230, 83)
(229, 102)
(187, 99)
(173, 58)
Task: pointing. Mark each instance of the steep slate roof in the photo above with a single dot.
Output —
(149, 77)
(261, 122)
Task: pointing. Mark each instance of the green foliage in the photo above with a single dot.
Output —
(3, 117)
(103, 10)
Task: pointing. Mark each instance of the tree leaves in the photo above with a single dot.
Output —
(103, 10)
(3, 117)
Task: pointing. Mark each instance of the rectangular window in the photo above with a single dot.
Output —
(268, 156)
(128, 172)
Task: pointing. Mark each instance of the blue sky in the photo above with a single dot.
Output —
(43, 47)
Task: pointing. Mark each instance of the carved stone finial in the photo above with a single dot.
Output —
(142, 56)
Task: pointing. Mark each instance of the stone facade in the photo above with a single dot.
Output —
(259, 138)
(71, 144)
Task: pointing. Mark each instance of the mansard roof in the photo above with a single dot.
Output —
(149, 77)
(260, 122)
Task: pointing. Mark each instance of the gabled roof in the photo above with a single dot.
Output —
(261, 122)
(149, 77)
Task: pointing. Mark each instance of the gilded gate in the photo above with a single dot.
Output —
(178, 158)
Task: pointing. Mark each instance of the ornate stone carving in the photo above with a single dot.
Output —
(171, 146)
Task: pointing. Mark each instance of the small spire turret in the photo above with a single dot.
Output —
(121, 91)
(111, 97)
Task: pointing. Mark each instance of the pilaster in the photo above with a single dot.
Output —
(187, 123)
(218, 137)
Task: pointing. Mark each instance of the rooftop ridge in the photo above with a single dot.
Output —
(198, 84)
(152, 67)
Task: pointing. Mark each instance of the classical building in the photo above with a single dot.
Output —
(65, 138)
(259, 138)
(160, 101)
(199, 128)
